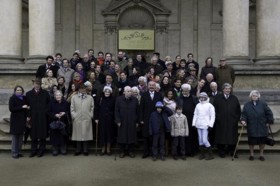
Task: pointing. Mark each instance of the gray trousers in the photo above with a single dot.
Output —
(16, 144)
(158, 141)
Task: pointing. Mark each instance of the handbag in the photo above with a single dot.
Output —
(57, 125)
(269, 140)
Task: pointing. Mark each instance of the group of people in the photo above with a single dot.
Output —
(170, 105)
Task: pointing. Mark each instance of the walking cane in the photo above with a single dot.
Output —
(96, 137)
(237, 143)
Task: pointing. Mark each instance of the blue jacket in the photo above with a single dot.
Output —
(154, 127)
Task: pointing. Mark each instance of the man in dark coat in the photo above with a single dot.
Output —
(188, 103)
(50, 65)
(126, 117)
(228, 113)
(147, 106)
(38, 100)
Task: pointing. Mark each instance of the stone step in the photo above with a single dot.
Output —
(275, 128)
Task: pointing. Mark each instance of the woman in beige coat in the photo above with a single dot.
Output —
(49, 81)
(82, 106)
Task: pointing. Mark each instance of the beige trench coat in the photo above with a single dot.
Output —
(82, 114)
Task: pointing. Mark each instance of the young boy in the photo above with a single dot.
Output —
(179, 130)
(158, 125)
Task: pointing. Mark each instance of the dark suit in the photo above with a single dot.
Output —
(41, 71)
(147, 106)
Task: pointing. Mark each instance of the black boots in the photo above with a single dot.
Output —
(202, 152)
(209, 154)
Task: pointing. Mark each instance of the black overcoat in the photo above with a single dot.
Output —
(39, 104)
(105, 115)
(126, 113)
(18, 115)
(147, 106)
(228, 113)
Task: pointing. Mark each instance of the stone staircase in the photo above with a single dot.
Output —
(272, 98)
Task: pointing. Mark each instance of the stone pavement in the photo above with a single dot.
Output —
(95, 170)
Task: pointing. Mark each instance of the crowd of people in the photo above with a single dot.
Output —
(173, 106)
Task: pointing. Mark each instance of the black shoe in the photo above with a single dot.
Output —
(175, 157)
(145, 156)
(183, 157)
(154, 158)
(131, 154)
(20, 155)
(251, 158)
(109, 153)
(222, 155)
(162, 158)
(15, 156)
(54, 153)
(85, 153)
(261, 158)
(40, 154)
(102, 153)
(77, 153)
(32, 154)
(122, 155)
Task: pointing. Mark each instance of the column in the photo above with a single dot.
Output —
(268, 31)
(10, 33)
(41, 29)
(236, 31)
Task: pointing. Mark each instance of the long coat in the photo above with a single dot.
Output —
(126, 113)
(56, 137)
(228, 113)
(147, 106)
(256, 117)
(82, 115)
(18, 115)
(105, 112)
(39, 105)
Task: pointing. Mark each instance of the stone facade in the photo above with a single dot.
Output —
(244, 31)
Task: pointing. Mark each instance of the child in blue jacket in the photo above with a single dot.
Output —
(158, 125)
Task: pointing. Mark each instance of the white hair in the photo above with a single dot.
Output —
(142, 78)
(135, 89)
(126, 88)
(186, 87)
(58, 92)
(107, 88)
(213, 84)
(255, 93)
(157, 86)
